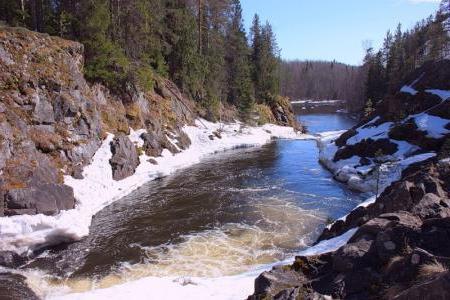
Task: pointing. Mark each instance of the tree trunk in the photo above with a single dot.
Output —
(22, 7)
(200, 26)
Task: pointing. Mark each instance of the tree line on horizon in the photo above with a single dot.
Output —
(322, 80)
(201, 45)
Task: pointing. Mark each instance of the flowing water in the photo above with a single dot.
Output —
(231, 212)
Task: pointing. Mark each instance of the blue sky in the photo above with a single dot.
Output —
(334, 29)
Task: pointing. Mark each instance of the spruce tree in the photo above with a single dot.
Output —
(237, 58)
(105, 60)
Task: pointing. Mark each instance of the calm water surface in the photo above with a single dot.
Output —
(221, 217)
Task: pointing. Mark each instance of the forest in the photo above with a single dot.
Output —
(403, 52)
(321, 80)
(201, 45)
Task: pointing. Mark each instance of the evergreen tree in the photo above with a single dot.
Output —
(265, 61)
(105, 60)
(239, 81)
(256, 56)
(394, 67)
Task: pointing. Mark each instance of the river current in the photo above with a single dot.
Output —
(223, 216)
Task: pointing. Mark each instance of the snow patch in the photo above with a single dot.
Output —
(443, 94)
(408, 90)
(433, 125)
(360, 177)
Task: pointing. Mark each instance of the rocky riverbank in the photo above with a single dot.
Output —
(53, 122)
(400, 246)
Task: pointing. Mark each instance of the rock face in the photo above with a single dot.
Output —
(124, 159)
(52, 121)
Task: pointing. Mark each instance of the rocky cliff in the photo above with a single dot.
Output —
(400, 249)
(52, 121)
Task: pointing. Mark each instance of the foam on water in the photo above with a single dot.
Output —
(228, 250)
(188, 287)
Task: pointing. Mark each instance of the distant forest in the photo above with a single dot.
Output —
(382, 71)
(322, 80)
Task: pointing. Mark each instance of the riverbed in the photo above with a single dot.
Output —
(224, 216)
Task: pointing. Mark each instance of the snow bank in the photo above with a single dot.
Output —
(361, 177)
(433, 125)
(221, 288)
(443, 94)
(98, 189)
(408, 90)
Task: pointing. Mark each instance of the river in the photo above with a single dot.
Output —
(223, 216)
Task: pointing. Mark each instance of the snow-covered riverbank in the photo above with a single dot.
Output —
(98, 189)
(362, 177)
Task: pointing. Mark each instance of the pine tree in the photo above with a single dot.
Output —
(265, 61)
(394, 67)
(105, 60)
(256, 57)
(237, 58)
(183, 59)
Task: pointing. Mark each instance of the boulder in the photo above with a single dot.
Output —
(435, 236)
(124, 159)
(366, 148)
(48, 199)
(276, 280)
(432, 206)
(354, 256)
(151, 145)
(14, 287)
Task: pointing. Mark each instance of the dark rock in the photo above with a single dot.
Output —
(20, 199)
(435, 236)
(19, 212)
(354, 256)
(152, 161)
(366, 148)
(361, 284)
(183, 141)
(272, 282)
(151, 145)
(77, 172)
(436, 287)
(432, 206)
(48, 199)
(299, 293)
(14, 287)
(364, 161)
(342, 140)
(124, 159)
(11, 259)
(52, 198)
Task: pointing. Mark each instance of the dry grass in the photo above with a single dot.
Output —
(393, 261)
(265, 114)
(432, 269)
